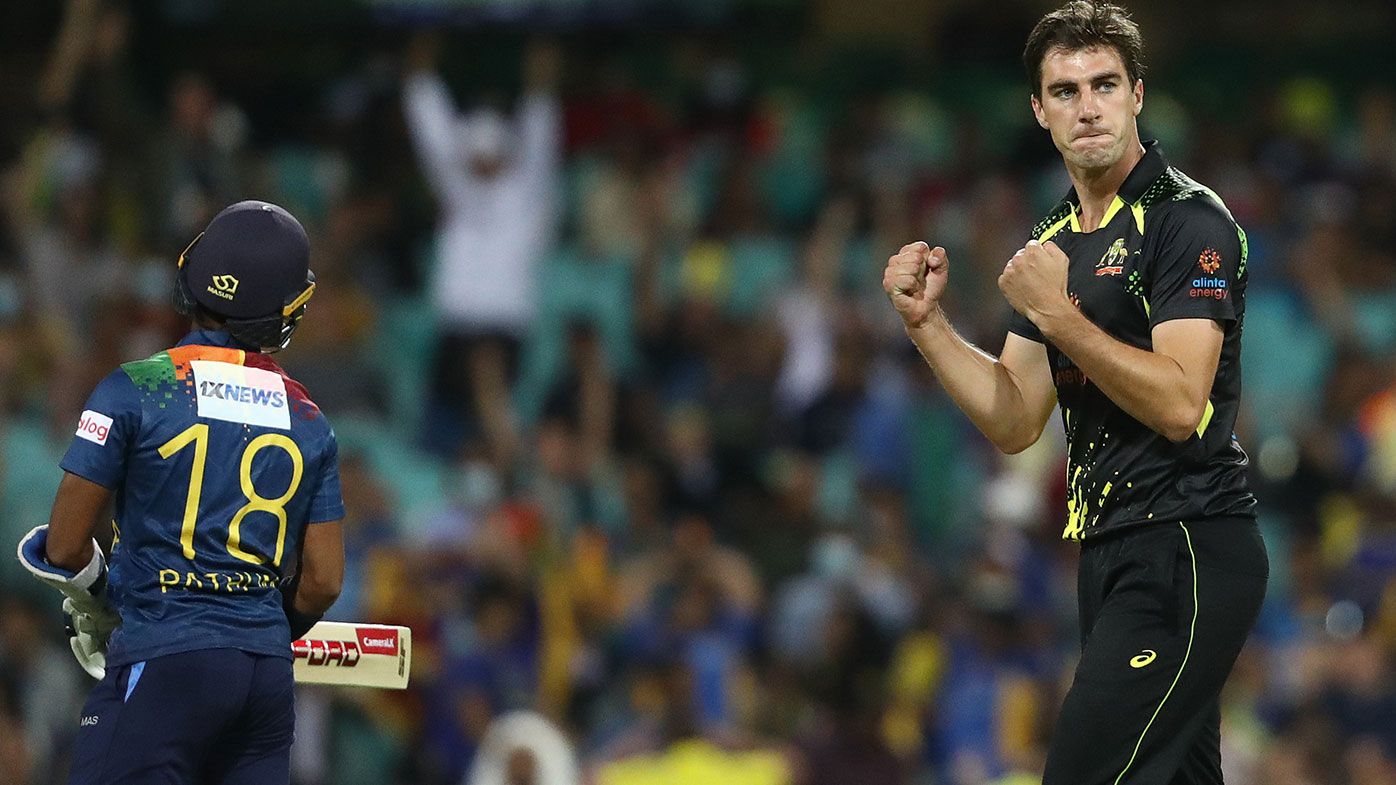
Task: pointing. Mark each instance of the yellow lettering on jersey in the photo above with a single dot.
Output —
(198, 434)
(258, 503)
(218, 582)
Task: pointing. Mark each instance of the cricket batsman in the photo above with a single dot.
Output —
(219, 478)
(1128, 301)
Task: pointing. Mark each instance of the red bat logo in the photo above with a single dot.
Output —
(342, 654)
(377, 641)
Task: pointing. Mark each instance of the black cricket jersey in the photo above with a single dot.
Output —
(1167, 248)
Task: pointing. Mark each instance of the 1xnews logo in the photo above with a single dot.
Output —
(345, 654)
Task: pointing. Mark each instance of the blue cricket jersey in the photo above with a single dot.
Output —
(219, 461)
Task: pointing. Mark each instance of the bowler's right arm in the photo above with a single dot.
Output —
(1008, 398)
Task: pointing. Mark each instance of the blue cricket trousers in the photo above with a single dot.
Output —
(209, 717)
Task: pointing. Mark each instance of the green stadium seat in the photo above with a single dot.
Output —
(1285, 360)
(759, 267)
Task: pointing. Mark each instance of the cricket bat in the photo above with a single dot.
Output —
(354, 655)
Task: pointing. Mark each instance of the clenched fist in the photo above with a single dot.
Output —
(914, 281)
(1034, 280)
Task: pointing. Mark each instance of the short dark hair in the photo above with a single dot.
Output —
(1083, 24)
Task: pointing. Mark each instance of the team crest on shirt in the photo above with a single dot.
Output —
(1113, 262)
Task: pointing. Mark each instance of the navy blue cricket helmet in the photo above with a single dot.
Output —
(251, 270)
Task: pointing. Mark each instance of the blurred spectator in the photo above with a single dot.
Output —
(851, 747)
(71, 264)
(42, 693)
(494, 181)
(523, 748)
(335, 358)
(14, 753)
(370, 528)
(490, 669)
(199, 158)
(673, 745)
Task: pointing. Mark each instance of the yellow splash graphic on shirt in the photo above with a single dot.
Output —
(1083, 504)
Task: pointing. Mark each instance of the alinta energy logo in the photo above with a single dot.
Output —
(1208, 288)
(224, 286)
(1209, 285)
(1209, 260)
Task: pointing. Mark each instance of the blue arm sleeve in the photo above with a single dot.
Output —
(107, 429)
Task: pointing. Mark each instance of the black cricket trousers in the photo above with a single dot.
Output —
(1165, 609)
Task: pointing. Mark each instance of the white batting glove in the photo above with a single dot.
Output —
(87, 637)
(91, 619)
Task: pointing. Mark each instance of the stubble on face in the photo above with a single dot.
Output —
(1095, 155)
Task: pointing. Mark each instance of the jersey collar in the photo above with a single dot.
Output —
(1136, 184)
(1144, 173)
(221, 338)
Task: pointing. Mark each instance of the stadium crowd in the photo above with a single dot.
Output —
(678, 481)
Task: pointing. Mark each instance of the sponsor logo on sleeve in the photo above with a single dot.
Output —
(237, 393)
(94, 427)
(1209, 285)
(377, 641)
(1206, 288)
(1209, 260)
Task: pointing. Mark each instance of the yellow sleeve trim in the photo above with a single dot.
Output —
(1057, 227)
(1206, 419)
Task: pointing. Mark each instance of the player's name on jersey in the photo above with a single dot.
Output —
(230, 582)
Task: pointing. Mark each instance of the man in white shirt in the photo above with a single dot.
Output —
(495, 179)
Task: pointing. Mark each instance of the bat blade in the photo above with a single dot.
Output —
(354, 655)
